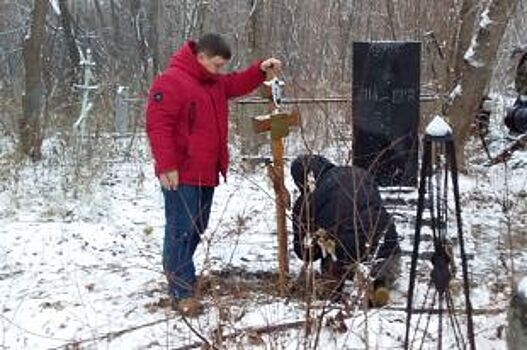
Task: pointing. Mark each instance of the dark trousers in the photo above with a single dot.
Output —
(187, 211)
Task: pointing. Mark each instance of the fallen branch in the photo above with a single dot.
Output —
(250, 330)
(267, 329)
(196, 344)
(506, 154)
(111, 335)
(298, 324)
(475, 312)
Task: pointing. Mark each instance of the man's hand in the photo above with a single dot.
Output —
(169, 180)
(271, 64)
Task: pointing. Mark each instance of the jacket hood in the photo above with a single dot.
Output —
(186, 59)
(305, 167)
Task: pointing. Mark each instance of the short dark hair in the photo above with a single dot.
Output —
(214, 45)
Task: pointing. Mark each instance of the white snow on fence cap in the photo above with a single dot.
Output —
(522, 288)
(438, 127)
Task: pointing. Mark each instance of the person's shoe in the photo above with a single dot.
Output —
(189, 307)
(379, 295)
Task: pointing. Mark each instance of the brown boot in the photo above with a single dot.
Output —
(189, 307)
(379, 295)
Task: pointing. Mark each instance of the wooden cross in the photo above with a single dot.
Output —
(278, 124)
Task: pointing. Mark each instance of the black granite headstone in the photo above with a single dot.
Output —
(385, 104)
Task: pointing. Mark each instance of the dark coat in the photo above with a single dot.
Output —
(516, 118)
(186, 117)
(346, 203)
(520, 80)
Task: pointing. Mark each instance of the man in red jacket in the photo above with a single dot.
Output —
(186, 123)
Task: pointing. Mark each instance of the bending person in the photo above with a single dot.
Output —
(339, 218)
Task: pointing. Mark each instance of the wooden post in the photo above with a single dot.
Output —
(278, 124)
(281, 229)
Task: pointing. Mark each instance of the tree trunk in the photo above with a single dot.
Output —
(418, 21)
(115, 23)
(467, 18)
(135, 8)
(29, 128)
(199, 18)
(251, 143)
(256, 28)
(73, 51)
(99, 13)
(517, 318)
(153, 41)
(476, 70)
(390, 19)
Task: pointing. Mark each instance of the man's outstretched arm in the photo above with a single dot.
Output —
(241, 83)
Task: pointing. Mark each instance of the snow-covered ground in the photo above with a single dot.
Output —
(80, 263)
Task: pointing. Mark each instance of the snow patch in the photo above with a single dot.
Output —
(470, 55)
(55, 6)
(488, 105)
(485, 20)
(457, 91)
(59, 250)
(438, 127)
(522, 288)
(121, 89)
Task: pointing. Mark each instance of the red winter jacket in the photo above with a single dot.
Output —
(186, 117)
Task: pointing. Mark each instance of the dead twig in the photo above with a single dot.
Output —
(506, 154)
(113, 335)
(250, 330)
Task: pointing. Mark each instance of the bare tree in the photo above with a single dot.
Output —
(476, 70)
(115, 22)
(29, 128)
(153, 42)
(312, 38)
(99, 12)
(256, 28)
(69, 33)
(137, 26)
(467, 18)
(390, 18)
